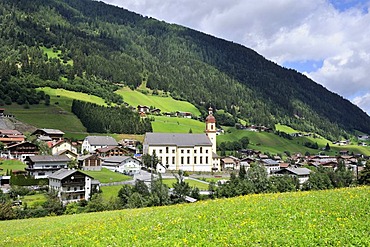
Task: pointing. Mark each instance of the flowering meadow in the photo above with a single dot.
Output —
(338, 217)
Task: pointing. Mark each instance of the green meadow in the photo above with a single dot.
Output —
(107, 176)
(13, 165)
(165, 124)
(166, 104)
(281, 219)
(192, 183)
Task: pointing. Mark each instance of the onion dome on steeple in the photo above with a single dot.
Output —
(210, 118)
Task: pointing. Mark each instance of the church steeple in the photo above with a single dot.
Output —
(211, 128)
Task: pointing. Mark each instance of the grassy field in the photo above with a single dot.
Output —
(287, 219)
(177, 125)
(110, 191)
(34, 200)
(59, 115)
(166, 104)
(107, 176)
(11, 165)
(202, 186)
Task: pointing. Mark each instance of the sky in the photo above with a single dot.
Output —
(327, 40)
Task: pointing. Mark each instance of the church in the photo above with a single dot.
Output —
(187, 152)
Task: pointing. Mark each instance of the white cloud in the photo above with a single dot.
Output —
(284, 31)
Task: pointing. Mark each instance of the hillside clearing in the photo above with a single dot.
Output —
(166, 104)
(165, 124)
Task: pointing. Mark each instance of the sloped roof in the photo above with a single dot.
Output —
(49, 158)
(10, 132)
(117, 159)
(51, 131)
(299, 171)
(63, 173)
(101, 141)
(180, 140)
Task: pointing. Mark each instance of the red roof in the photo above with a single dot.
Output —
(210, 119)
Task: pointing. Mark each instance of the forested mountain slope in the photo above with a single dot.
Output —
(102, 47)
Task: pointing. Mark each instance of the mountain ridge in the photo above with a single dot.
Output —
(108, 44)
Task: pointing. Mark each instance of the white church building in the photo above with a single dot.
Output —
(187, 152)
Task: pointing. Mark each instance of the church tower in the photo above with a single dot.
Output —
(211, 128)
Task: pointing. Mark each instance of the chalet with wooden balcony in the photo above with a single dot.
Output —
(72, 185)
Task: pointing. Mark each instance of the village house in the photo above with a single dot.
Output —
(72, 185)
(302, 174)
(143, 109)
(91, 143)
(111, 151)
(89, 162)
(41, 166)
(20, 150)
(270, 165)
(188, 152)
(228, 163)
(184, 114)
(57, 146)
(48, 134)
(9, 137)
(123, 164)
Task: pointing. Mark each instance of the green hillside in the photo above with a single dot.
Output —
(287, 219)
(166, 104)
(274, 144)
(91, 47)
(177, 125)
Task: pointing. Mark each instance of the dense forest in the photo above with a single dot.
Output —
(100, 119)
(102, 47)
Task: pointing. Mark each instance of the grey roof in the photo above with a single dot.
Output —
(44, 138)
(101, 141)
(52, 131)
(63, 173)
(270, 162)
(116, 159)
(299, 171)
(180, 140)
(49, 158)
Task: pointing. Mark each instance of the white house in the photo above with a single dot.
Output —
(270, 165)
(91, 143)
(61, 145)
(188, 152)
(72, 185)
(41, 166)
(122, 164)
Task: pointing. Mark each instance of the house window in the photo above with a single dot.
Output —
(182, 151)
(206, 151)
(160, 151)
(206, 160)
(182, 160)
(188, 151)
(188, 160)
(167, 149)
(166, 160)
(173, 160)
(201, 149)
(211, 126)
(201, 160)
(195, 160)
(195, 151)
(173, 151)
